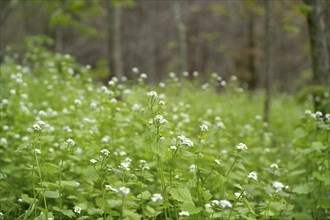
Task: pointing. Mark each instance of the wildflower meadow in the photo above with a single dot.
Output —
(187, 148)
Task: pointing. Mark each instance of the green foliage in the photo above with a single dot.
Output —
(72, 148)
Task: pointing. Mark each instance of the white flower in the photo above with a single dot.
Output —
(156, 197)
(152, 94)
(185, 141)
(192, 168)
(124, 190)
(217, 161)
(3, 141)
(253, 175)
(126, 164)
(93, 161)
(160, 119)
(77, 209)
(105, 152)
(37, 151)
(318, 114)
(36, 127)
(135, 70)
(241, 147)
(161, 103)
(143, 76)
(143, 165)
(108, 187)
(274, 166)
(208, 206)
(77, 102)
(204, 127)
(278, 186)
(215, 202)
(308, 112)
(225, 203)
(238, 194)
(184, 213)
(70, 142)
(173, 148)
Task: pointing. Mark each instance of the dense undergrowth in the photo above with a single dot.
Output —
(73, 148)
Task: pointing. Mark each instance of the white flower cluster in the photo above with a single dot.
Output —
(37, 127)
(192, 168)
(144, 165)
(156, 197)
(160, 119)
(185, 141)
(70, 142)
(204, 127)
(274, 166)
(77, 209)
(278, 186)
(152, 94)
(241, 147)
(93, 161)
(184, 213)
(126, 164)
(253, 175)
(123, 190)
(105, 152)
(221, 203)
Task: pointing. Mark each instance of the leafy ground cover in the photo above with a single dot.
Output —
(73, 148)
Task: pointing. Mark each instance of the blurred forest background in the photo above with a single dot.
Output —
(162, 36)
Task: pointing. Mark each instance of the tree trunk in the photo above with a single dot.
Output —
(109, 50)
(253, 78)
(4, 9)
(268, 59)
(319, 47)
(182, 35)
(59, 38)
(118, 62)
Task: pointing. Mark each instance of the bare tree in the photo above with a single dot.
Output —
(118, 62)
(182, 35)
(268, 58)
(319, 47)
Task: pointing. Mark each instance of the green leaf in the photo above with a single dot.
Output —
(299, 133)
(303, 188)
(181, 194)
(318, 146)
(47, 138)
(248, 205)
(207, 195)
(130, 214)
(65, 212)
(145, 195)
(70, 183)
(94, 211)
(27, 199)
(191, 208)
(49, 168)
(91, 174)
(52, 194)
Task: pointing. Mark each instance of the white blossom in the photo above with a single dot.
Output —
(124, 190)
(241, 147)
(156, 197)
(253, 175)
(192, 168)
(77, 209)
(109, 187)
(152, 94)
(274, 166)
(70, 142)
(278, 186)
(105, 152)
(93, 161)
(204, 127)
(160, 119)
(184, 213)
(225, 203)
(185, 141)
